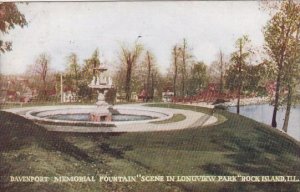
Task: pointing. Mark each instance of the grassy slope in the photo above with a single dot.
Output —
(175, 118)
(27, 149)
(237, 146)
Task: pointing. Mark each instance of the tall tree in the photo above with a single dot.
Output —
(129, 58)
(279, 33)
(87, 75)
(221, 56)
(146, 76)
(183, 67)
(90, 64)
(10, 17)
(149, 74)
(217, 70)
(198, 78)
(238, 58)
(292, 71)
(175, 55)
(42, 67)
(73, 70)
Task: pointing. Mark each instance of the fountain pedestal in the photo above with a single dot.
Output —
(98, 116)
(101, 113)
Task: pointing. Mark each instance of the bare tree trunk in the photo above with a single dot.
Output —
(288, 109)
(280, 65)
(183, 67)
(148, 76)
(240, 80)
(221, 69)
(128, 82)
(183, 85)
(44, 88)
(129, 59)
(152, 86)
(276, 104)
(175, 70)
(290, 89)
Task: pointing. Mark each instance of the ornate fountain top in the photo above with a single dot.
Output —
(101, 68)
(100, 82)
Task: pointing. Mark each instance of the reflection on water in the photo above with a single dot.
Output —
(263, 113)
(86, 117)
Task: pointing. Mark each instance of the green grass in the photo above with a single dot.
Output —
(175, 118)
(239, 145)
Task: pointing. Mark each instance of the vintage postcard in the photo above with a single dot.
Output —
(150, 96)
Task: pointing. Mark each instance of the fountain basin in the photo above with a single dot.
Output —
(79, 116)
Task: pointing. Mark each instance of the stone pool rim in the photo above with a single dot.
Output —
(194, 119)
(159, 116)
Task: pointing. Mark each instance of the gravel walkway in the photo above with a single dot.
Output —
(193, 119)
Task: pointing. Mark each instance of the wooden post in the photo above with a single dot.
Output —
(61, 89)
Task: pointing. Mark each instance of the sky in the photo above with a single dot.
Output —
(60, 28)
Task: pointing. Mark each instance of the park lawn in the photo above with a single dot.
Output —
(175, 118)
(238, 145)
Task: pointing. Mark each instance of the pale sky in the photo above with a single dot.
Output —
(59, 28)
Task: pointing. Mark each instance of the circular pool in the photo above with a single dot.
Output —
(80, 115)
(86, 117)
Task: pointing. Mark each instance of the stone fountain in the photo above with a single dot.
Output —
(102, 116)
(102, 85)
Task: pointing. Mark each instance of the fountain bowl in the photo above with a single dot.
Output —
(80, 115)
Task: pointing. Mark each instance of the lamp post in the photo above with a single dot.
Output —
(61, 88)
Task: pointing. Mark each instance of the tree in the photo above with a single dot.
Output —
(185, 56)
(279, 34)
(183, 66)
(87, 73)
(90, 64)
(153, 75)
(198, 78)
(292, 71)
(178, 71)
(149, 74)
(146, 74)
(10, 17)
(217, 71)
(221, 71)
(41, 68)
(129, 58)
(238, 58)
(175, 55)
(73, 70)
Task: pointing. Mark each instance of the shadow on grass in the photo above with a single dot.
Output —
(251, 148)
(117, 153)
(257, 150)
(17, 132)
(216, 169)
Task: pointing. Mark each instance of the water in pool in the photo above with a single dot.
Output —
(85, 117)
